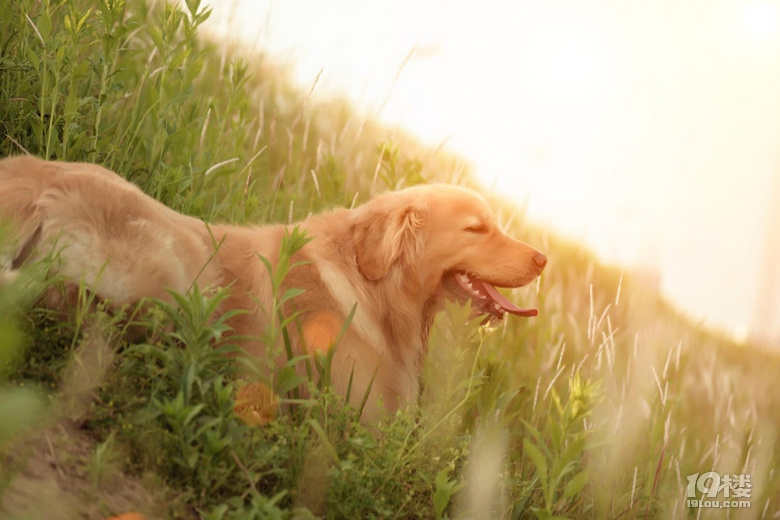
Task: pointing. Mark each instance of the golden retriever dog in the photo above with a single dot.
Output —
(397, 257)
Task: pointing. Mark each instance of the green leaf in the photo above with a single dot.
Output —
(575, 485)
(44, 25)
(325, 441)
(32, 55)
(536, 434)
(192, 460)
(445, 489)
(573, 450)
(287, 379)
(559, 473)
(156, 36)
(539, 460)
(267, 264)
(194, 411)
(290, 294)
(557, 434)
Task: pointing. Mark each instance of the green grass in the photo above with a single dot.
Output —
(599, 408)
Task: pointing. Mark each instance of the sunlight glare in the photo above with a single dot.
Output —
(760, 20)
(624, 125)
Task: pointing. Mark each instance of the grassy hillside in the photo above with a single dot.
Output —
(599, 408)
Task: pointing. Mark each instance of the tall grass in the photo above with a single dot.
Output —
(599, 408)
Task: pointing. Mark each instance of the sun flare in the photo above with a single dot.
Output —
(760, 20)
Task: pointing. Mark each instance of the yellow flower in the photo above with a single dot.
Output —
(128, 516)
(255, 404)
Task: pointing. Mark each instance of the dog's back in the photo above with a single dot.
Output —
(98, 226)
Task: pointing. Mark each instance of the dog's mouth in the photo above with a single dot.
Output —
(485, 298)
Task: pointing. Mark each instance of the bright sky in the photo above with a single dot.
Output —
(647, 130)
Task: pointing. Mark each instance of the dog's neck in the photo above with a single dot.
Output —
(407, 322)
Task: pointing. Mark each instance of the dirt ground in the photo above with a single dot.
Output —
(55, 476)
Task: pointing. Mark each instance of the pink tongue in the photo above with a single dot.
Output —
(506, 304)
(501, 300)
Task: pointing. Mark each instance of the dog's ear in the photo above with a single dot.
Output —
(383, 238)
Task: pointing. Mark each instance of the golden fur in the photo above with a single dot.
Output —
(395, 256)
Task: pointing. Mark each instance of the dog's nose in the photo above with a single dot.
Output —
(540, 260)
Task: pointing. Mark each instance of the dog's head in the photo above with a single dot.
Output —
(441, 240)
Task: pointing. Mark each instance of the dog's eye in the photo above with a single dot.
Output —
(479, 228)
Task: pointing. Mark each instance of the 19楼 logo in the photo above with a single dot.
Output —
(724, 489)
